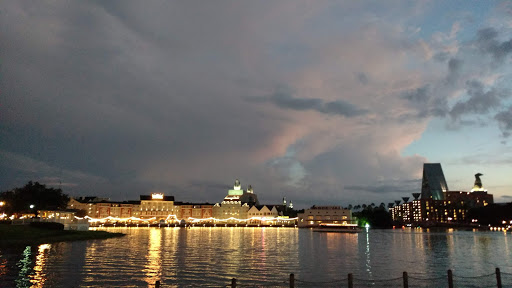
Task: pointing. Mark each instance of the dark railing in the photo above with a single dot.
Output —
(349, 281)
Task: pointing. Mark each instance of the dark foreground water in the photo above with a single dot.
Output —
(200, 257)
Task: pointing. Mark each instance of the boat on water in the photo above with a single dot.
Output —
(339, 228)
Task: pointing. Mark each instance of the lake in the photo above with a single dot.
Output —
(257, 257)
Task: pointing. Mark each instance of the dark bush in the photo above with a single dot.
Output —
(5, 222)
(48, 225)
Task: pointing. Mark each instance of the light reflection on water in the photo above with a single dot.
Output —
(206, 256)
(153, 265)
(38, 278)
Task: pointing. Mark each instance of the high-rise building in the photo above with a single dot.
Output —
(453, 207)
(433, 184)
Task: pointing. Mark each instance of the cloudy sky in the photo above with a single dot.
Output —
(336, 102)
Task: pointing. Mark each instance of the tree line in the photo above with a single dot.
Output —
(32, 197)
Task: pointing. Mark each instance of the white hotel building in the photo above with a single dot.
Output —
(315, 215)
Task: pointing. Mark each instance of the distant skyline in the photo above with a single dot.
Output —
(324, 102)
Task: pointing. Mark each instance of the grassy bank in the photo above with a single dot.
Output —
(27, 235)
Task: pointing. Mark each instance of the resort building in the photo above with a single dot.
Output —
(433, 183)
(66, 218)
(187, 211)
(238, 207)
(315, 215)
(263, 214)
(157, 206)
(87, 204)
(116, 209)
(232, 206)
(432, 208)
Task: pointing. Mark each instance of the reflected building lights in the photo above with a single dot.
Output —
(39, 277)
(153, 268)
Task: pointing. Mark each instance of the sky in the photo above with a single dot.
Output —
(321, 102)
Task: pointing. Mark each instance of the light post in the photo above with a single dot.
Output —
(32, 206)
(2, 215)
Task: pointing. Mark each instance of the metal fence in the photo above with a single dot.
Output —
(497, 279)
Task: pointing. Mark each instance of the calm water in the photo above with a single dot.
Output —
(201, 257)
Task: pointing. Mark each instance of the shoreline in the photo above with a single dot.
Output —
(14, 235)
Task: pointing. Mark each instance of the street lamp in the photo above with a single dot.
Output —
(2, 203)
(32, 206)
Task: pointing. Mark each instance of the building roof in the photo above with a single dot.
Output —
(149, 197)
(195, 204)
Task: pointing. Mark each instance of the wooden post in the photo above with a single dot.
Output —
(233, 283)
(157, 284)
(450, 278)
(292, 280)
(406, 280)
(498, 277)
(350, 280)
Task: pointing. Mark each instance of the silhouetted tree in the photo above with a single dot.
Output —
(377, 217)
(18, 200)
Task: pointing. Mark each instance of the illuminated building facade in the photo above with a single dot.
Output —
(452, 208)
(194, 210)
(324, 214)
(157, 206)
(232, 206)
(87, 204)
(66, 218)
(116, 209)
(263, 212)
(158, 209)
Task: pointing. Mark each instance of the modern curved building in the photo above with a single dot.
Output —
(433, 184)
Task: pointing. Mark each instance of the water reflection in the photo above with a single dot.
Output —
(367, 254)
(153, 267)
(204, 256)
(24, 268)
(38, 278)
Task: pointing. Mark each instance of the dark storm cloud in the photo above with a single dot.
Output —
(420, 95)
(480, 101)
(454, 69)
(101, 95)
(122, 98)
(432, 99)
(405, 187)
(285, 100)
(425, 102)
(362, 78)
(487, 41)
(504, 119)
(441, 56)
